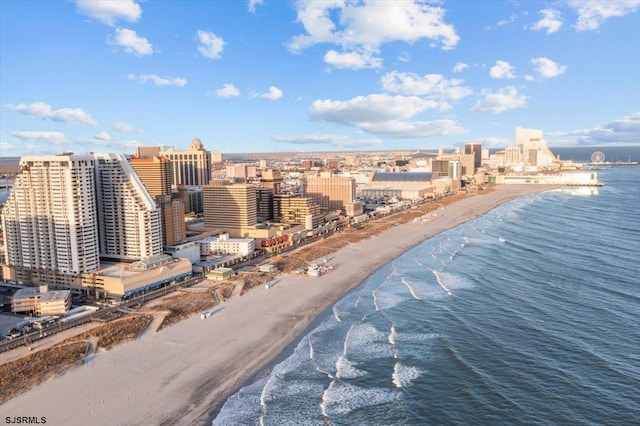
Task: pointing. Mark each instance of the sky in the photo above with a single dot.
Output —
(340, 75)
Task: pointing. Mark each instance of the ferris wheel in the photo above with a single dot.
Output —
(597, 157)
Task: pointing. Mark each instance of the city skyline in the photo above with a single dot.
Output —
(276, 76)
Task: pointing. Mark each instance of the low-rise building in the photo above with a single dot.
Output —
(40, 301)
(223, 245)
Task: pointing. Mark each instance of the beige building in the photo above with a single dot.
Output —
(172, 214)
(129, 279)
(404, 186)
(467, 162)
(330, 192)
(155, 174)
(230, 207)
(191, 167)
(40, 301)
(293, 209)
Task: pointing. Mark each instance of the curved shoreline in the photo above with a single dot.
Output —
(184, 374)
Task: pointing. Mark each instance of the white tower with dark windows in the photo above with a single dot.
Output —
(129, 220)
(50, 220)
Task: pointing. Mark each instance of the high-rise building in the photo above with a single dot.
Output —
(229, 206)
(330, 192)
(50, 219)
(530, 141)
(129, 220)
(271, 178)
(476, 150)
(155, 174)
(192, 167)
(174, 229)
(293, 209)
(264, 204)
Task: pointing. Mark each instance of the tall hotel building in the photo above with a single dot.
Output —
(155, 171)
(129, 220)
(192, 167)
(476, 150)
(50, 218)
(330, 192)
(231, 207)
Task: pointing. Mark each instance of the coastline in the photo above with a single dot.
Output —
(184, 374)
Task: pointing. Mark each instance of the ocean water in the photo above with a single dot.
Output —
(529, 314)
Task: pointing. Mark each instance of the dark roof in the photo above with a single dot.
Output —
(401, 177)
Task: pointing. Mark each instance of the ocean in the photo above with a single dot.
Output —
(529, 314)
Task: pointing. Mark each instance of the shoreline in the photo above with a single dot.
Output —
(185, 374)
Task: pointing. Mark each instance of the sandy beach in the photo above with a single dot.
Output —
(183, 373)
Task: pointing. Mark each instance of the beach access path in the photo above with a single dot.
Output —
(183, 373)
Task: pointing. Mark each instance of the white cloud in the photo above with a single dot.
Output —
(56, 138)
(546, 68)
(158, 81)
(404, 57)
(502, 69)
(432, 86)
(593, 13)
(311, 139)
(132, 44)
(499, 101)
(211, 46)
(273, 94)
(625, 130)
(413, 129)
(550, 21)
(352, 60)
(101, 139)
(109, 11)
(502, 22)
(227, 90)
(252, 5)
(123, 127)
(65, 115)
(364, 26)
(384, 115)
(326, 139)
(376, 107)
(459, 67)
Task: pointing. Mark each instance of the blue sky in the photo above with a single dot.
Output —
(278, 75)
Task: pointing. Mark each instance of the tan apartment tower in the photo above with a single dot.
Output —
(155, 174)
(191, 167)
(330, 192)
(230, 207)
(294, 209)
(475, 149)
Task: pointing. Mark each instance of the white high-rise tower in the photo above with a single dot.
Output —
(50, 219)
(129, 220)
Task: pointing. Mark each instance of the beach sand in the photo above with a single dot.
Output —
(185, 372)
